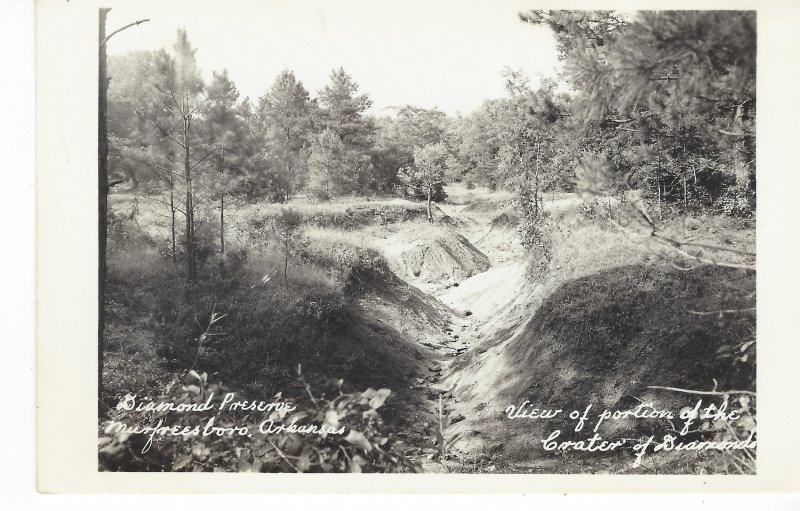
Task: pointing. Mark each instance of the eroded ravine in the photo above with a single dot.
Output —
(477, 307)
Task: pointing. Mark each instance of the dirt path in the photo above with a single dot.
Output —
(471, 264)
(478, 306)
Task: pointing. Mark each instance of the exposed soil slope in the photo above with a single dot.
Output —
(432, 257)
(609, 320)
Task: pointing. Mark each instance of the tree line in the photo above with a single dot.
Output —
(662, 103)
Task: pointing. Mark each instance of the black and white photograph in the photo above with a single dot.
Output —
(409, 238)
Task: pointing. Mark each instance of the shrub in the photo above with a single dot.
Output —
(321, 194)
(738, 204)
(125, 233)
(343, 261)
(274, 444)
(269, 324)
(206, 237)
(418, 192)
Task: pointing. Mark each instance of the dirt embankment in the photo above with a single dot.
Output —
(607, 321)
(384, 341)
(601, 340)
(432, 257)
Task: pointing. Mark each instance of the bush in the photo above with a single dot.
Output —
(343, 215)
(268, 324)
(321, 194)
(736, 203)
(419, 193)
(274, 444)
(536, 238)
(535, 232)
(125, 233)
(148, 309)
(343, 261)
(206, 238)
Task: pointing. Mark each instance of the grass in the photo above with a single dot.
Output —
(344, 213)
(607, 317)
(154, 319)
(608, 314)
(459, 194)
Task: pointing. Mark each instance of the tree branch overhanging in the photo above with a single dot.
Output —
(129, 25)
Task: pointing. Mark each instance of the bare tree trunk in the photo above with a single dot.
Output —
(172, 214)
(222, 235)
(191, 264)
(102, 195)
(740, 168)
(685, 194)
(288, 181)
(658, 175)
(430, 194)
(102, 181)
(685, 188)
(222, 224)
(286, 261)
(536, 199)
(221, 170)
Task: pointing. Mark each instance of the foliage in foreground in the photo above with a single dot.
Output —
(343, 433)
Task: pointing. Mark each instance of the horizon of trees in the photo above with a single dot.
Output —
(663, 103)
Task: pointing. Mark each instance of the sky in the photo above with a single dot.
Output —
(446, 54)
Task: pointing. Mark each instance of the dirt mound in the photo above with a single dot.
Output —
(602, 340)
(441, 217)
(500, 239)
(432, 257)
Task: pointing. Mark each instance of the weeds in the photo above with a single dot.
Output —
(444, 441)
(306, 437)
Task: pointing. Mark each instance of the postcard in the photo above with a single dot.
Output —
(437, 246)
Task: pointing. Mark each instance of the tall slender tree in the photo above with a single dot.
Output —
(285, 118)
(183, 97)
(139, 154)
(342, 111)
(102, 178)
(226, 140)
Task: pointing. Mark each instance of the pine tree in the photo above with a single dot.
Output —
(284, 114)
(226, 138)
(342, 110)
(329, 173)
(142, 156)
(682, 85)
(182, 96)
